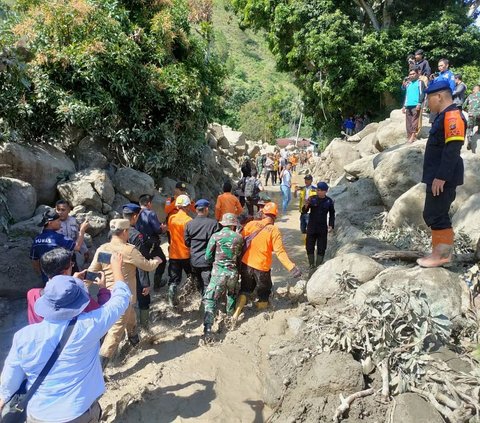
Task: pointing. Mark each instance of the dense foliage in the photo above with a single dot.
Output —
(132, 71)
(350, 56)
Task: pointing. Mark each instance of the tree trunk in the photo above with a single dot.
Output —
(371, 14)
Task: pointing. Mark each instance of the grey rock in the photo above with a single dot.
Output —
(408, 208)
(467, 219)
(132, 184)
(88, 153)
(412, 408)
(98, 222)
(295, 324)
(21, 198)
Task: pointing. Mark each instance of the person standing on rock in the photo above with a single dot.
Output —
(50, 239)
(197, 233)
(179, 253)
(132, 259)
(303, 193)
(227, 203)
(261, 239)
(151, 229)
(223, 250)
(286, 186)
(131, 212)
(71, 388)
(442, 171)
(318, 227)
(412, 106)
(69, 228)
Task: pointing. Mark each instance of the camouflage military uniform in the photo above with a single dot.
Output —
(472, 104)
(223, 249)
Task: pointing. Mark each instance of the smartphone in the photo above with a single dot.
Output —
(91, 276)
(104, 258)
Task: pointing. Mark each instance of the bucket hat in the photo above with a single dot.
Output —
(229, 219)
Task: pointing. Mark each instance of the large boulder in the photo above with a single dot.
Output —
(398, 170)
(467, 219)
(132, 183)
(324, 285)
(365, 246)
(88, 153)
(390, 135)
(371, 128)
(91, 188)
(366, 146)
(361, 168)
(98, 222)
(343, 234)
(446, 293)
(329, 166)
(471, 179)
(408, 208)
(42, 166)
(16, 272)
(253, 148)
(412, 408)
(21, 198)
(236, 140)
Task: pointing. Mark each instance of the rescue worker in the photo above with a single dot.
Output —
(442, 171)
(197, 233)
(180, 189)
(131, 212)
(261, 239)
(227, 203)
(264, 199)
(132, 259)
(318, 226)
(151, 229)
(179, 253)
(224, 250)
(472, 106)
(303, 193)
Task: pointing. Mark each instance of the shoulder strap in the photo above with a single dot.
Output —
(51, 361)
(249, 238)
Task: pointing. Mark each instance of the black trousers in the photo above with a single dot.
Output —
(252, 278)
(175, 267)
(435, 211)
(320, 239)
(143, 300)
(155, 250)
(201, 276)
(250, 205)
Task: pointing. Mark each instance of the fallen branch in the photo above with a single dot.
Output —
(346, 402)
(385, 380)
(412, 256)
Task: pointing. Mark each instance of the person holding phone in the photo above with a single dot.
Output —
(132, 259)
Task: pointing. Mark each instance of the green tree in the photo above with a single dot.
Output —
(349, 56)
(132, 71)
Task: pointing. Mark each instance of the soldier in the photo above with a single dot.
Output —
(472, 105)
(224, 249)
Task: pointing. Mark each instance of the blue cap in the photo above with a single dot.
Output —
(438, 85)
(202, 203)
(131, 207)
(322, 186)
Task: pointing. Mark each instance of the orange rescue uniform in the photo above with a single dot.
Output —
(170, 206)
(176, 228)
(269, 240)
(227, 203)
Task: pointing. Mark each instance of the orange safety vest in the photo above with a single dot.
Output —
(265, 243)
(176, 229)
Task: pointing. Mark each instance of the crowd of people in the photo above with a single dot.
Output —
(353, 124)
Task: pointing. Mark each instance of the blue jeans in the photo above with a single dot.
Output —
(304, 222)
(286, 197)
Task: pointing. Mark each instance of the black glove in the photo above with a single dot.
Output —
(295, 272)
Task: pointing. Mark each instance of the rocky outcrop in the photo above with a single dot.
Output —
(408, 208)
(88, 154)
(21, 198)
(467, 219)
(42, 166)
(132, 183)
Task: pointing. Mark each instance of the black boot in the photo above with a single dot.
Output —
(311, 261)
(172, 295)
(319, 259)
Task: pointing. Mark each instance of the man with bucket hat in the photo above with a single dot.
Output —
(71, 388)
(223, 250)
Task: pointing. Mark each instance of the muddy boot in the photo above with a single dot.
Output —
(104, 361)
(319, 260)
(242, 300)
(442, 243)
(172, 295)
(262, 305)
(144, 318)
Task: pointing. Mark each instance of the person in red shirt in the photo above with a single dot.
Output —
(179, 253)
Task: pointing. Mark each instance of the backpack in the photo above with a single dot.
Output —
(250, 187)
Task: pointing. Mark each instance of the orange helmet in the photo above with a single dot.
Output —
(270, 208)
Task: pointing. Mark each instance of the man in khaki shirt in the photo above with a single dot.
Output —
(131, 260)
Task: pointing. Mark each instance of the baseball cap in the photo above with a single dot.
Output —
(131, 208)
(309, 177)
(181, 185)
(437, 85)
(116, 224)
(322, 186)
(49, 216)
(202, 203)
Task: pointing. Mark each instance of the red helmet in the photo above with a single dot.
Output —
(270, 208)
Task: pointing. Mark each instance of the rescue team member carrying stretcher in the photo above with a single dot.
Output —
(442, 171)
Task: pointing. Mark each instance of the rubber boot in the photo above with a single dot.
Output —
(262, 305)
(172, 295)
(311, 261)
(319, 259)
(442, 248)
(242, 300)
(134, 340)
(104, 361)
(144, 318)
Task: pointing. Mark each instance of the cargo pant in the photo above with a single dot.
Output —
(220, 283)
(116, 333)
